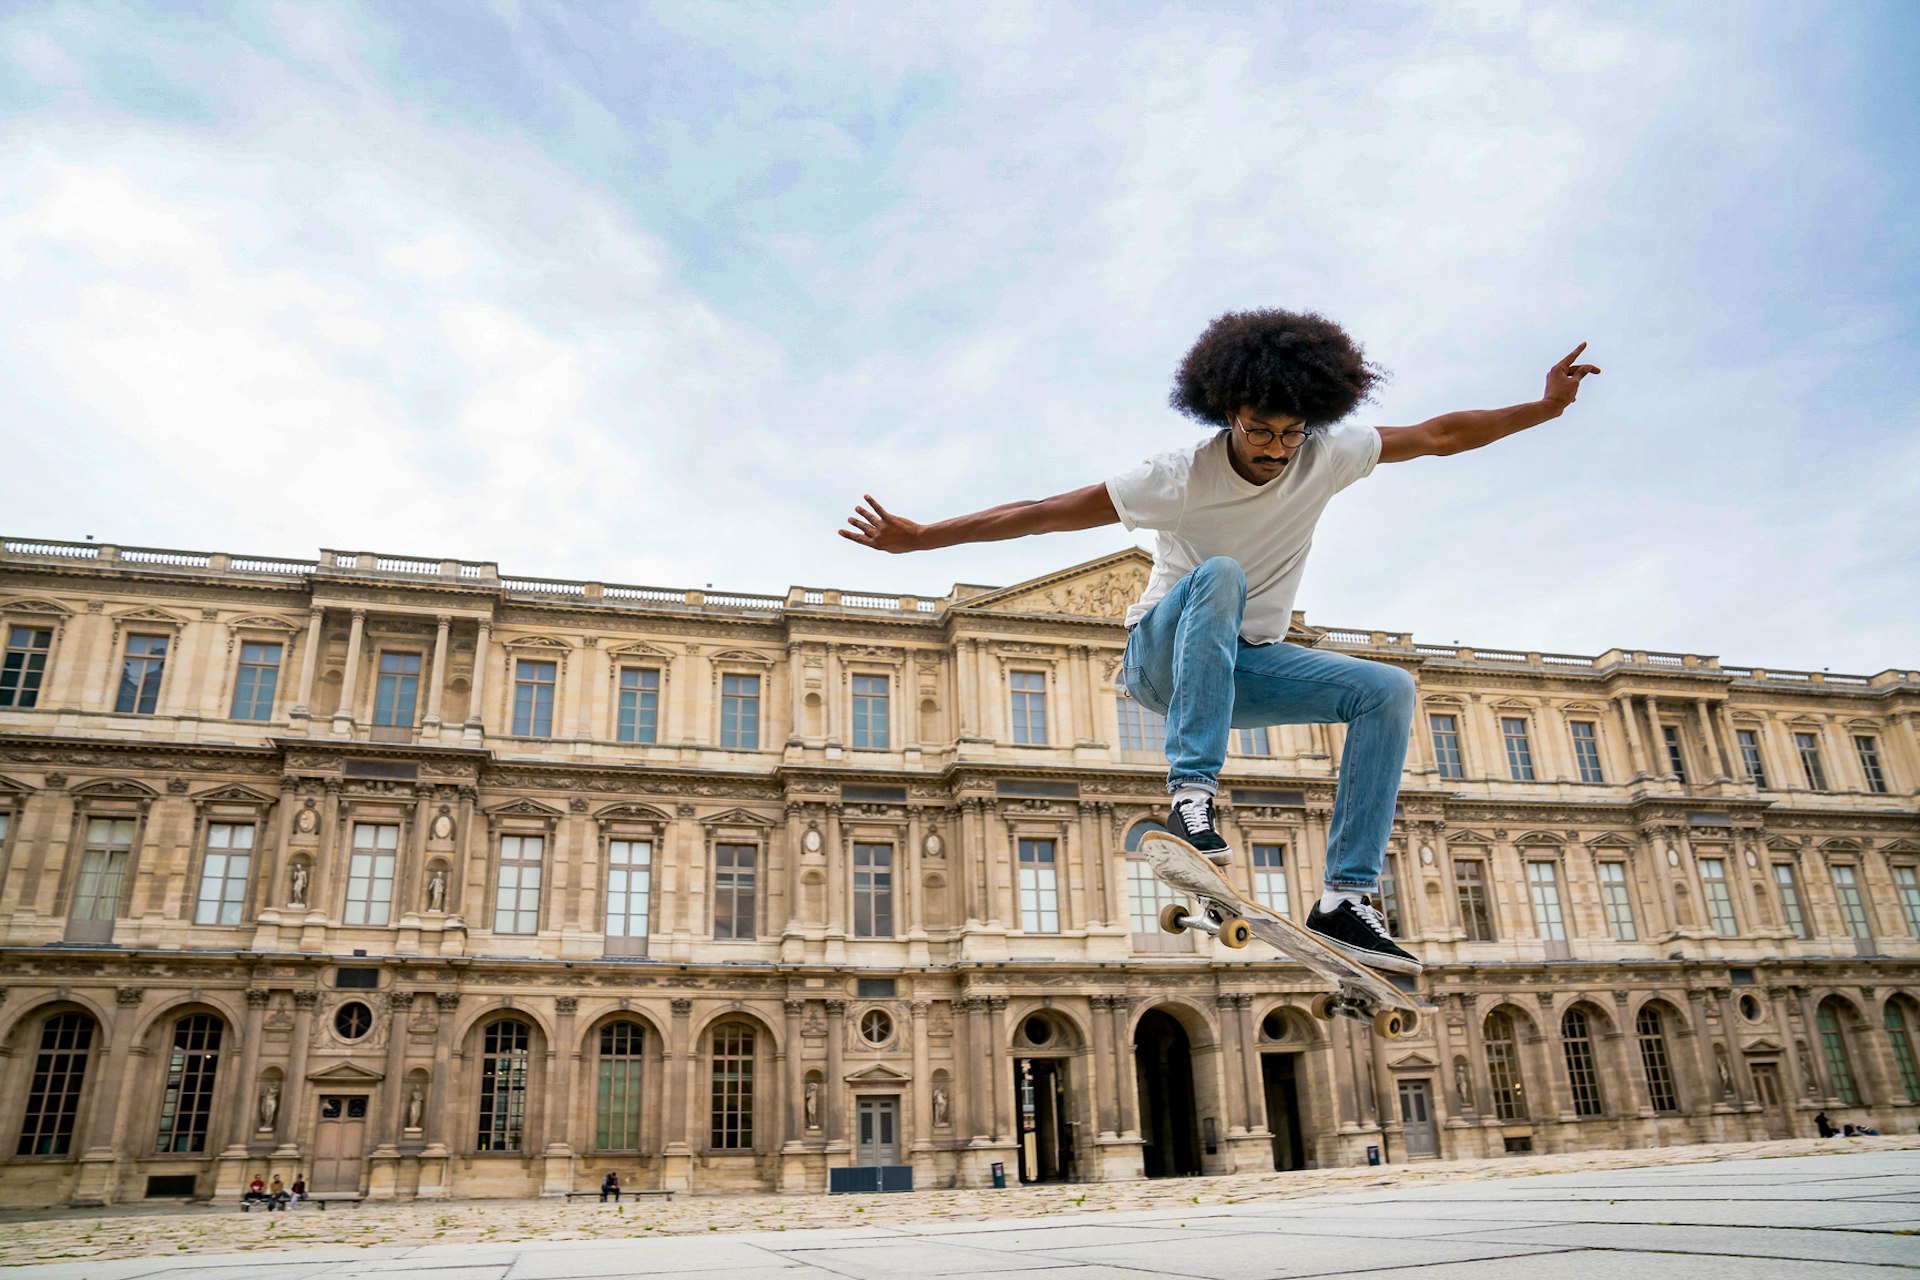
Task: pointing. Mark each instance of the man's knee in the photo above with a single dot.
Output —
(1221, 572)
(1392, 690)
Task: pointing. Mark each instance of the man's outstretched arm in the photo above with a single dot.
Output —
(1459, 432)
(874, 526)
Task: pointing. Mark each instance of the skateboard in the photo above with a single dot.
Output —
(1359, 992)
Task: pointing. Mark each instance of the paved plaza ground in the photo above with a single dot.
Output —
(1753, 1210)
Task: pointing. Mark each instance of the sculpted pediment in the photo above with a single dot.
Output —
(236, 794)
(522, 808)
(261, 622)
(1100, 588)
(878, 1073)
(346, 1073)
(36, 604)
(538, 642)
(149, 617)
(736, 817)
(641, 649)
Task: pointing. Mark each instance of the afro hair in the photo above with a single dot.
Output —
(1292, 363)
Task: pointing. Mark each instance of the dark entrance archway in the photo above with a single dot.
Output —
(1281, 1078)
(1163, 1067)
(1046, 1133)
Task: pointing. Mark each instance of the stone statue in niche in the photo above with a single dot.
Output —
(416, 1107)
(939, 1105)
(306, 822)
(813, 1104)
(297, 884)
(437, 890)
(1462, 1088)
(269, 1106)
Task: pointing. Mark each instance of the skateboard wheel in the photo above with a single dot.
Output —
(1236, 933)
(1391, 1024)
(1173, 918)
(1324, 1006)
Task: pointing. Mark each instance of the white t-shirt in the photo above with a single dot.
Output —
(1202, 508)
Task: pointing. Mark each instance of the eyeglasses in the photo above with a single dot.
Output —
(1260, 437)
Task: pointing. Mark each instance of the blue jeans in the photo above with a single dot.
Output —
(1186, 660)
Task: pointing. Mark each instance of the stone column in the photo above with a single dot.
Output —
(1100, 1066)
(437, 682)
(967, 714)
(557, 1107)
(308, 655)
(833, 1106)
(1127, 1092)
(1232, 1057)
(293, 1098)
(1253, 1079)
(1716, 756)
(249, 1129)
(389, 1103)
(838, 873)
(921, 1121)
(834, 691)
(979, 1078)
(965, 1102)
(793, 1072)
(439, 1119)
(350, 678)
(678, 1063)
(106, 1123)
(477, 697)
(1636, 753)
(997, 1063)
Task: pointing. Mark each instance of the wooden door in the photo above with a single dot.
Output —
(1416, 1113)
(339, 1141)
(879, 1132)
(1766, 1083)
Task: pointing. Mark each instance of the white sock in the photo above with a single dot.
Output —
(1332, 898)
(1198, 793)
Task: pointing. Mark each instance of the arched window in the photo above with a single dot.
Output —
(1503, 1068)
(1655, 1060)
(617, 1126)
(53, 1094)
(1900, 1038)
(191, 1067)
(1576, 1037)
(732, 1114)
(504, 1054)
(1833, 1043)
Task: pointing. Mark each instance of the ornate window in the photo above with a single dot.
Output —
(734, 874)
(187, 1104)
(516, 904)
(223, 875)
(1141, 727)
(1251, 742)
(876, 1027)
(1576, 1038)
(1900, 1039)
(1470, 885)
(53, 1092)
(140, 674)
(740, 712)
(1713, 883)
(1868, 748)
(25, 666)
(1619, 902)
(1270, 876)
(1788, 884)
(1906, 883)
(1833, 1043)
(352, 1020)
(1808, 745)
(1503, 1068)
(1543, 887)
(1586, 750)
(1676, 758)
(870, 703)
(1749, 740)
(256, 681)
(618, 1098)
(1513, 731)
(397, 691)
(533, 685)
(103, 871)
(872, 890)
(1853, 907)
(639, 705)
(1655, 1061)
(1029, 694)
(629, 891)
(1446, 745)
(1039, 887)
(732, 1108)
(370, 873)
(503, 1085)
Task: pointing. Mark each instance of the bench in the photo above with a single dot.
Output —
(322, 1198)
(625, 1193)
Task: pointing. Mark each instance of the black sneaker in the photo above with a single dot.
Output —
(1192, 820)
(1359, 933)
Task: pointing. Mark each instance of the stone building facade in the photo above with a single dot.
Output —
(422, 881)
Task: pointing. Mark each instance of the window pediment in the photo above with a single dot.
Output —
(634, 813)
(733, 657)
(147, 617)
(38, 606)
(1538, 839)
(538, 643)
(522, 808)
(262, 622)
(736, 818)
(235, 794)
(116, 788)
(641, 649)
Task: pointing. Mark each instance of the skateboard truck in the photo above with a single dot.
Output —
(1232, 930)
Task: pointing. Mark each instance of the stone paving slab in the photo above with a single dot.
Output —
(1629, 1265)
(1865, 1247)
(1280, 1254)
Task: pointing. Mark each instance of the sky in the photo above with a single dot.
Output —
(653, 294)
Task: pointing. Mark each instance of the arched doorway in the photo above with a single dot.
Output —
(1043, 1099)
(1163, 1066)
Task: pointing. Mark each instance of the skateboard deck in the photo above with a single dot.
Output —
(1359, 992)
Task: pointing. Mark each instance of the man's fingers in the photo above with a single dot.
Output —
(877, 507)
(1573, 355)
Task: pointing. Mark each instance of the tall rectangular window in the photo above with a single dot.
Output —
(1853, 907)
(1868, 748)
(1146, 895)
(1039, 888)
(103, 871)
(256, 681)
(370, 873)
(1141, 727)
(629, 888)
(1834, 1046)
(504, 1054)
(1503, 1068)
(1270, 877)
(1749, 740)
(872, 890)
(740, 712)
(516, 903)
(1808, 745)
(1789, 886)
(1655, 1062)
(1543, 886)
(1893, 1018)
(732, 1109)
(619, 1100)
(533, 684)
(1615, 895)
(639, 705)
(187, 1104)
(1586, 750)
(1251, 742)
(1029, 694)
(25, 666)
(1513, 731)
(223, 876)
(53, 1092)
(870, 705)
(1906, 882)
(1576, 1037)
(735, 871)
(397, 690)
(1676, 759)
(1470, 886)
(140, 673)
(1446, 745)
(1713, 883)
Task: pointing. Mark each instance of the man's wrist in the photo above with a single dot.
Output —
(1551, 408)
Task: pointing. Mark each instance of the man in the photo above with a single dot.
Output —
(1235, 516)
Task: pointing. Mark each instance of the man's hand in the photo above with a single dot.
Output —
(1563, 380)
(874, 526)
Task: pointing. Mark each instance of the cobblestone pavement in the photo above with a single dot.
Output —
(1801, 1207)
